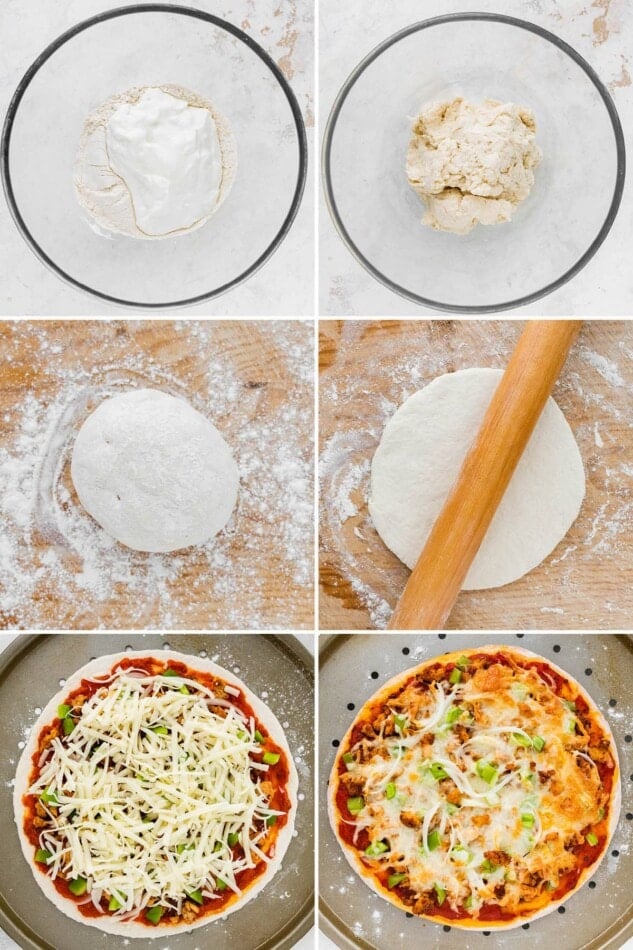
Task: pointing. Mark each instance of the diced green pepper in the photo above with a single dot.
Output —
(451, 809)
(43, 856)
(155, 913)
(456, 675)
(468, 903)
(486, 771)
(63, 710)
(463, 662)
(434, 840)
(49, 798)
(78, 886)
(183, 689)
(348, 759)
(570, 705)
(170, 672)
(527, 819)
(376, 848)
(68, 724)
(453, 714)
(522, 740)
(438, 771)
(390, 790)
(400, 721)
(233, 839)
(114, 904)
(394, 879)
(354, 805)
(271, 758)
(271, 820)
(217, 847)
(160, 730)
(488, 867)
(258, 736)
(538, 743)
(220, 885)
(441, 893)
(591, 839)
(196, 897)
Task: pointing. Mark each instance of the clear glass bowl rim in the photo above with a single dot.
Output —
(326, 154)
(5, 143)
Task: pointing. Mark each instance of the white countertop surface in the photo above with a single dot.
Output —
(307, 942)
(284, 285)
(602, 32)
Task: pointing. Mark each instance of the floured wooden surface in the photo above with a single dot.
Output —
(369, 368)
(58, 568)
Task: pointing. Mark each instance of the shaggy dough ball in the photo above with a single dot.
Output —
(419, 458)
(472, 163)
(154, 472)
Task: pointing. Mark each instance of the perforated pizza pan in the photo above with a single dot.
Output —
(278, 669)
(599, 915)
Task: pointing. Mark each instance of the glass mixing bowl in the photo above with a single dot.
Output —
(553, 233)
(154, 44)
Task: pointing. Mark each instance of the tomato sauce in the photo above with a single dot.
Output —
(277, 774)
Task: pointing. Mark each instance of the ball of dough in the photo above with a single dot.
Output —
(472, 163)
(419, 458)
(154, 472)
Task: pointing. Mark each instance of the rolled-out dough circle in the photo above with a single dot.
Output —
(419, 457)
(154, 472)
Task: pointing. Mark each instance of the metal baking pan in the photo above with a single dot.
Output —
(278, 669)
(600, 915)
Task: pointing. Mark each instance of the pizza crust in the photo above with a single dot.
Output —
(99, 667)
(384, 693)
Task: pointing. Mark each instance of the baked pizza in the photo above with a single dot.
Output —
(479, 789)
(155, 793)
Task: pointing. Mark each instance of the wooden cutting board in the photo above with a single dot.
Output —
(58, 569)
(368, 368)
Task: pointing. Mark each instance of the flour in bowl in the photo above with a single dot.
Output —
(154, 162)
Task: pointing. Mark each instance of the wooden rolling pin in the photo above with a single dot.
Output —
(516, 406)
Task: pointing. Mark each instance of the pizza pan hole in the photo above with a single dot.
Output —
(486, 933)
(406, 651)
(374, 675)
(336, 743)
(615, 853)
(520, 636)
(351, 706)
(628, 738)
(592, 885)
(561, 910)
(613, 702)
(629, 816)
(441, 636)
(408, 914)
(92, 658)
(202, 653)
(556, 648)
(446, 929)
(128, 648)
(166, 646)
(588, 671)
(525, 926)
(62, 682)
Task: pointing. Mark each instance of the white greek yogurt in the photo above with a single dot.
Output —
(168, 155)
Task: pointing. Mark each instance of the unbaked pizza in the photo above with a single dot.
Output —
(155, 793)
(479, 789)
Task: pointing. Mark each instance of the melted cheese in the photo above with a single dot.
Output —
(495, 763)
(150, 784)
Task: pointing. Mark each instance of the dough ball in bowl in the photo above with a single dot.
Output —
(154, 472)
